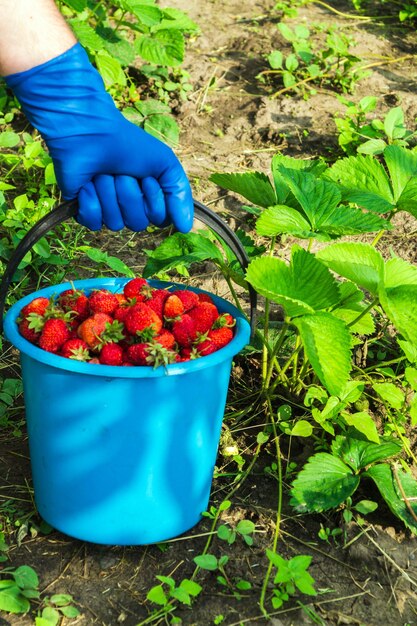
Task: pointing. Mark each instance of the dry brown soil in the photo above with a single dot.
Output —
(230, 124)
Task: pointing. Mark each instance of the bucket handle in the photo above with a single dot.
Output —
(70, 208)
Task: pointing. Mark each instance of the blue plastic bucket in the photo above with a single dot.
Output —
(123, 455)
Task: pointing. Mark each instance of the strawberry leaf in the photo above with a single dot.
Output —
(359, 262)
(323, 483)
(363, 180)
(254, 186)
(318, 332)
(388, 484)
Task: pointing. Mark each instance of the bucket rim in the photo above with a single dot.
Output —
(240, 340)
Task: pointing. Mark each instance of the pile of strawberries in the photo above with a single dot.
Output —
(141, 326)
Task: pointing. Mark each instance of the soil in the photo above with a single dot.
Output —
(231, 123)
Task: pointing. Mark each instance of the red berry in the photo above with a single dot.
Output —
(37, 305)
(173, 307)
(189, 298)
(103, 301)
(54, 334)
(185, 331)
(216, 339)
(111, 354)
(142, 319)
(73, 300)
(137, 288)
(76, 349)
(29, 333)
(204, 316)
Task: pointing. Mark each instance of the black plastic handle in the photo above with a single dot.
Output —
(69, 209)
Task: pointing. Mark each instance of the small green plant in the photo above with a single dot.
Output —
(18, 586)
(56, 607)
(211, 563)
(310, 66)
(360, 134)
(167, 595)
(244, 528)
(291, 576)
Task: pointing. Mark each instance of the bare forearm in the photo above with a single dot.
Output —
(31, 32)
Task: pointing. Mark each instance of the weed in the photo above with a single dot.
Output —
(309, 65)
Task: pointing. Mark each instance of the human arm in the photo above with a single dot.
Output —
(121, 175)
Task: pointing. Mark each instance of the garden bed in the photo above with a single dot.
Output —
(363, 575)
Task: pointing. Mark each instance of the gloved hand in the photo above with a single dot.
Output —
(122, 175)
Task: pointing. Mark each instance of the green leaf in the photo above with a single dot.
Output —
(326, 341)
(410, 351)
(391, 394)
(253, 186)
(323, 483)
(206, 561)
(275, 59)
(372, 147)
(394, 123)
(157, 595)
(400, 305)
(180, 248)
(282, 219)
(70, 611)
(363, 423)
(302, 428)
(26, 577)
(245, 527)
(51, 616)
(398, 272)
(358, 452)
(147, 14)
(181, 595)
(366, 506)
(359, 262)
(302, 287)
(402, 167)
(164, 47)
(363, 180)
(317, 197)
(86, 35)
(192, 588)
(364, 326)
(110, 69)
(175, 18)
(410, 374)
(61, 599)
(408, 199)
(9, 139)
(387, 483)
(11, 599)
(163, 127)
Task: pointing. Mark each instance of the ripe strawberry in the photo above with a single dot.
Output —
(137, 288)
(173, 307)
(103, 301)
(142, 320)
(165, 338)
(28, 332)
(121, 311)
(184, 331)
(111, 354)
(76, 349)
(54, 334)
(204, 316)
(204, 297)
(225, 319)
(157, 300)
(98, 328)
(216, 339)
(137, 353)
(189, 298)
(37, 305)
(74, 301)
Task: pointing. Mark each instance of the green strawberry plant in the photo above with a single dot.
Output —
(309, 65)
(357, 133)
(333, 295)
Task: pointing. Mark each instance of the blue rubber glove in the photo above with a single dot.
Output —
(122, 175)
